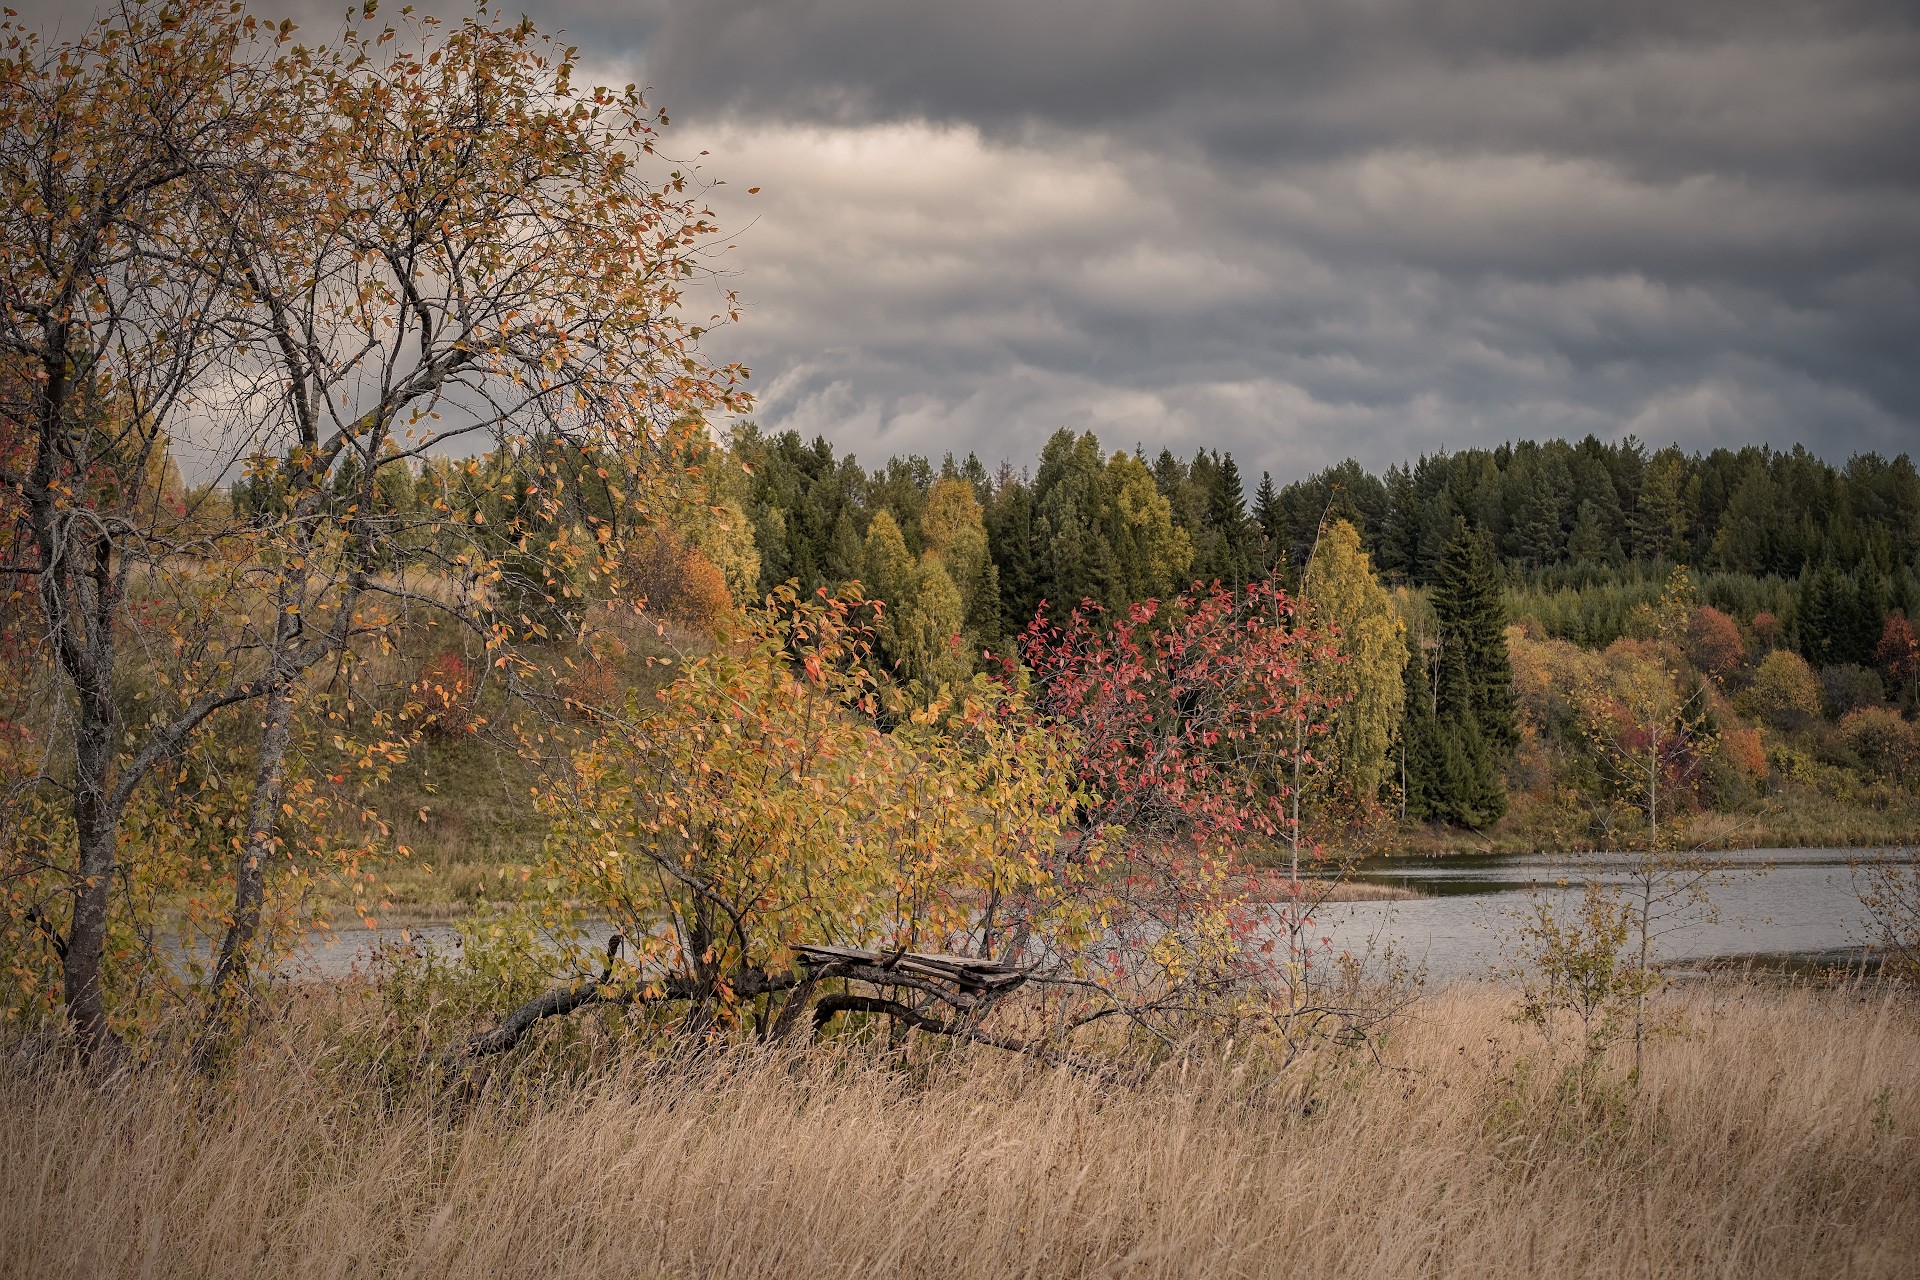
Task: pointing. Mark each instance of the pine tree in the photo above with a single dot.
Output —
(1587, 544)
(1659, 522)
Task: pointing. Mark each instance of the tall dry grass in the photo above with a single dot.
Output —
(1776, 1136)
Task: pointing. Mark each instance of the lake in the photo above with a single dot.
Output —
(1773, 906)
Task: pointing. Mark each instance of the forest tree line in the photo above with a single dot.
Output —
(1778, 584)
(1828, 551)
(1804, 575)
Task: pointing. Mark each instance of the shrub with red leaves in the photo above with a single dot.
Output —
(1193, 713)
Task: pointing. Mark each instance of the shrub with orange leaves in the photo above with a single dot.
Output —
(1898, 653)
(1745, 750)
(757, 803)
(1713, 641)
(677, 581)
(1785, 693)
(592, 686)
(1886, 743)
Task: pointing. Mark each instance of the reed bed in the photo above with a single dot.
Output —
(1777, 1133)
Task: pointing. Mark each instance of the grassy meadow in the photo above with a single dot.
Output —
(1776, 1134)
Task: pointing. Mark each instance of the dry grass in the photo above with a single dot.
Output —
(1776, 1137)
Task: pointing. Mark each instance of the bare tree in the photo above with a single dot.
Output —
(326, 265)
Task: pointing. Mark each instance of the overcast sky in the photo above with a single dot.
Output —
(1303, 231)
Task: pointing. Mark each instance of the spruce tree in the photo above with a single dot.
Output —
(1473, 617)
(1169, 473)
(1469, 790)
(1458, 743)
(1400, 540)
(845, 556)
(1009, 520)
(1237, 531)
(1072, 558)
(1419, 740)
(1587, 544)
(1826, 614)
(1537, 535)
(1266, 505)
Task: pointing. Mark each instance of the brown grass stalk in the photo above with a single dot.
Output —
(1776, 1135)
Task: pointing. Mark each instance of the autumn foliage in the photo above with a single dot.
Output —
(445, 692)
(1899, 653)
(1076, 820)
(1713, 641)
(1188, 711)
(335, 264)
(676, 581)
(765, 798)
(1199, 721)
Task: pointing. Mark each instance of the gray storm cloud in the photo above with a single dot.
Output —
(1302, 231)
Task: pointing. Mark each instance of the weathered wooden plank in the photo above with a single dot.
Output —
(966, 971)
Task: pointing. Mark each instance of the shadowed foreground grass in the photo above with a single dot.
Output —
(1778, 1135)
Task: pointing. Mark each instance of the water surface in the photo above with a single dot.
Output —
(1766, 905)
(1770, 906)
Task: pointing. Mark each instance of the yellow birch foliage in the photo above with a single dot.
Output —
(1365, 682)
(756, 804)
(955, 530)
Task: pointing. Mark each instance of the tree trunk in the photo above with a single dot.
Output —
(250, 872)
(80, 597)
(84, 950)
(1640, 979)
